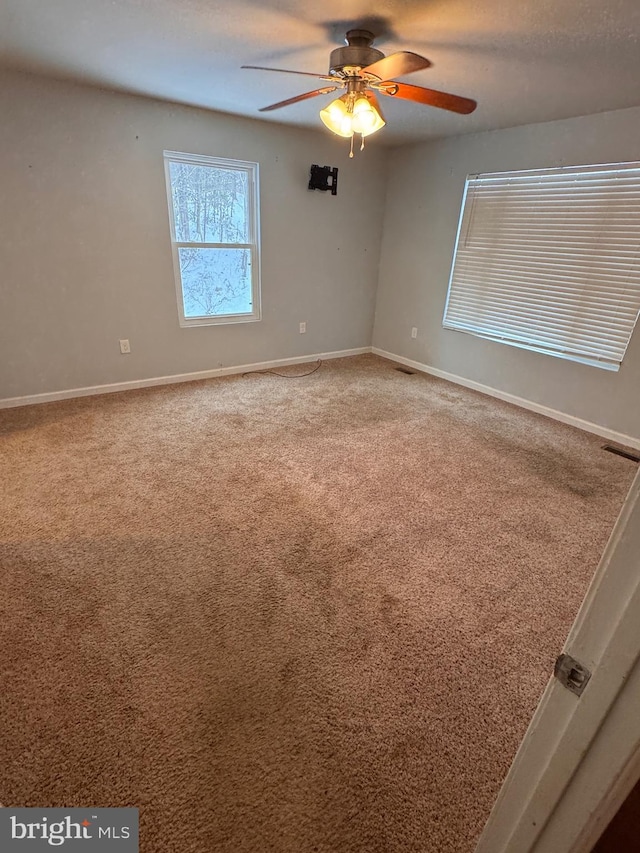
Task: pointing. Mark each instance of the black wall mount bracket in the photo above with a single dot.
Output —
(324, 178)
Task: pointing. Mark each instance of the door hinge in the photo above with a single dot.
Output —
(571, 673)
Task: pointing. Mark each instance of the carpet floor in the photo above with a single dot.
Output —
(307, 615)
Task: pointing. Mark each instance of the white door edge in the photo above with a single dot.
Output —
(606, 639)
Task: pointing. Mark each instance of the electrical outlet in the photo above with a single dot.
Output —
(125, 346)
(414, 332)
(303, 328)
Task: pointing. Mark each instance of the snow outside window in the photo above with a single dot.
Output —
(213, 212)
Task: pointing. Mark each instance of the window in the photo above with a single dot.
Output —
(213, 210)
(549, 260)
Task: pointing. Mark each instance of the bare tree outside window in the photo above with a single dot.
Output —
(212, 204)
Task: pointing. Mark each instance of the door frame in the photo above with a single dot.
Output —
(578, 757)
(606, 809)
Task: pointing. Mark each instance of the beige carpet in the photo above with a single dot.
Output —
(288, 615)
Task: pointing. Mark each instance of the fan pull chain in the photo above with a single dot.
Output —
(351, 151)
(362, 144)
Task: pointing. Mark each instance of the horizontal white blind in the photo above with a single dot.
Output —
(550, 260)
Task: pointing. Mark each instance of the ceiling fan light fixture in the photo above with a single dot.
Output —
(351, 114)
(366, 118)
(337, 117)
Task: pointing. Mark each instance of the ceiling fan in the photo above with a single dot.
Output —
(362, 70)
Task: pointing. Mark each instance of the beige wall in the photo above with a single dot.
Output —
(421, 216)
(84, 239)
(86, 259)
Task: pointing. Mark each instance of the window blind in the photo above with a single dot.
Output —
(549, 260)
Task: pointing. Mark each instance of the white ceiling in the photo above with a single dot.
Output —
(522, 60)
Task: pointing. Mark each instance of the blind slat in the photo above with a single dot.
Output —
(521, 322)
(570, 266)
(561, 321)
(545, 285)
(552, 331)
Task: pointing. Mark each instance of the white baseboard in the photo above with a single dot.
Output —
(597, 429)
(51, 396)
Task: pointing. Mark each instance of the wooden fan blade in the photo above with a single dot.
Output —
(430, 97)
(324, 91)
(397, 65)
(288, 71)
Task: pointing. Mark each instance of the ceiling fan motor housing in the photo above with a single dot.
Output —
(359, 57)
(357, 54)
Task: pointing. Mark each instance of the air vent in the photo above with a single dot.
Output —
(620, 452)
(404, 370)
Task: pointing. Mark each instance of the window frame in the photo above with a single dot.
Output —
(253, 223)
(465, 269)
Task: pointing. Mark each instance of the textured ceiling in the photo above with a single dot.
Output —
(522, 61)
